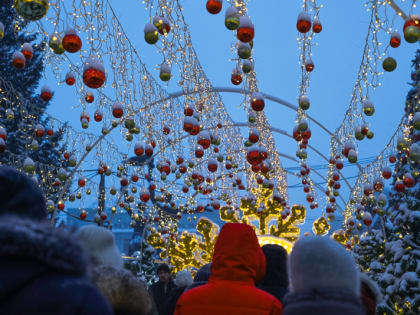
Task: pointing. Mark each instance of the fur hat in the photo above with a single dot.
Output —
(20, 195)
(319, 263)
(126, 293)
(100, 245)
(183, 278)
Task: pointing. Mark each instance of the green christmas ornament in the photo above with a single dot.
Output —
(412, 34)
(389, 64)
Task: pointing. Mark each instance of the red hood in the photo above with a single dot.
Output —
(237, 255)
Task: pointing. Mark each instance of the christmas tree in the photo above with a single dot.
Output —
(22, 110)
(392, 256)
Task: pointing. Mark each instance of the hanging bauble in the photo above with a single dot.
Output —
(232, 18)
(399, 186)
(148, 149)
(98, 115)
(304, 102)
(89, 97)
(199, 152)
(29, 165)
(244, 50)
(31, 10)
(253, 155)
(246, 31)
(117, 110)
(70, 78)
(46, 93)
(416, 121)
(124, 181)
(1, 30)
(395, 40)
(339, 164)
(10, 115)
(412, 34)
(188, 111)
(212, 165)
(93, 73)
(408, 180)
(60, 205)
(84, 115)
(367, 189)
(39, 130)
(151, 34)
(139, 148)
(254, 135)
(34, 145)
(27, 51)
(204, 139)
(389, 64)
(303, 24)
(247, 66)
(81, 182)
(368, 107)
(382, 200)
(414, 154)
(3, 133)
(401, 143)
(411, 29)
(367, 218)
(55, 41)
(19, 60)
(71, 41)
(302, 125)
(257, 101)
(352, 157)
(214, 6)
(358, 134)
(316, 26)
(72, 161)
(162, 24)
(378, 184)
(165, 72)
(59, 50)
(386, 172)
(236, 77)
(62, 174)
(144, 195)
(309, 65)
(302, 154)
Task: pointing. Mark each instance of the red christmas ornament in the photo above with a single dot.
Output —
(257, 101)
(245, 32)
(81, 182)
(399, 186)
(212, 165)
(124, 181)
(236, 77)
(19, 60)
(303, 24)
(317, 26)
(395, 40)
(46, 93)
(386, 172)
(392, 159)
(138, 149)
(214, 6)
(27, 51)
(94, 73)
(412, 20)
(117, 110)
(144, 195)
(199, 152)
(70, 78)
(89, 97)
(408, 180)
(83, 215)
(39, 131)
(254, 135)
(98, 115)
(71, 41)
(309, 65)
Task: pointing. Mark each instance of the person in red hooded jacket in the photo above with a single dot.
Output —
(238, 262)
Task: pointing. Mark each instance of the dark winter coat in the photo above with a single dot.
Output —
(161, 293)
(43, 271)
(276, 280)
(173, 299)
(238, 262)
(322, 303)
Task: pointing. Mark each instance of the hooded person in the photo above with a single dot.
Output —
(126, 294)
(99, 243)
(183, 279)
(238, 262)
(370, 294)
(161, 290)
(43, 270)
(324, 279)
(276, 279)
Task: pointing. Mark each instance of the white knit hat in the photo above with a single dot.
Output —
(100, 244)
(183, 278)
(319, 263)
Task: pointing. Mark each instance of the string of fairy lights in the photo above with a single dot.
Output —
(197, 169)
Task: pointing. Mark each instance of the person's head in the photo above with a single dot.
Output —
(237, 255)
(20, 195)
(370, 294)
(163, 273)
(183, 279)
(100, 245)
(319, 263)
(203, 273)
(276, 266)
(126, 294)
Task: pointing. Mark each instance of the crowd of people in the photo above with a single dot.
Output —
(47, 270)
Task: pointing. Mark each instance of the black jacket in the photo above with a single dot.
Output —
(43, 271)
(161, 295)
(275, 281)
(322, 303)
(173, 299)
